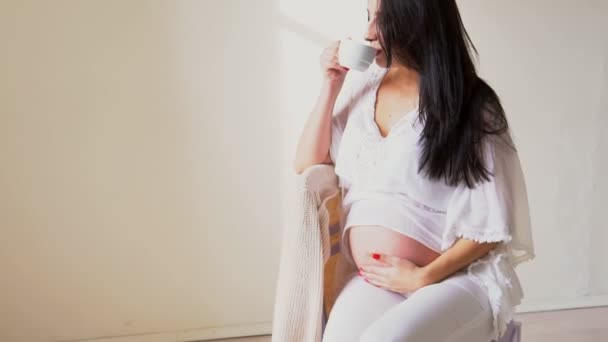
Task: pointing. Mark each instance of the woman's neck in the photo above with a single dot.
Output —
(402, 77)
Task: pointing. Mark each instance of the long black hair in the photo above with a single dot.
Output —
(457, 108)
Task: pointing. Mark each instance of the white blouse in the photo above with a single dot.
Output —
(378, 172)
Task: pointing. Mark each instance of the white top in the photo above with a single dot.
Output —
(379, 174)
(374, 171)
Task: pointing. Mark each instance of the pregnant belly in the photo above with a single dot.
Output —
(364, 239)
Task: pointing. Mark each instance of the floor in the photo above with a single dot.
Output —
(580, 325)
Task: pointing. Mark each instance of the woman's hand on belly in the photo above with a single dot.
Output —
(401, 258)
(393, 273)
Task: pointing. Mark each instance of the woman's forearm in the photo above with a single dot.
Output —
(460, 255)
(313, 145)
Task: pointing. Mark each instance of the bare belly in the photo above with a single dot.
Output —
(364, 239)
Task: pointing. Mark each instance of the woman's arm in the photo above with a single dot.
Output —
(455, 258)
(315, 140)
(403, 276)
(313, 145)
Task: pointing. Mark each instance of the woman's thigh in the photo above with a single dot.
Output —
(454, 310)
(358, 305)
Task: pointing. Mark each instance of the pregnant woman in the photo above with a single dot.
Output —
(436, 212)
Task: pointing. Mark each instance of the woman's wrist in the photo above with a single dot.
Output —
(431, 273)
(423, 277)
(331, 87)
(328, 96)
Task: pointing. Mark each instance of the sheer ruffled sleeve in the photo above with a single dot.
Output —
(495, 210)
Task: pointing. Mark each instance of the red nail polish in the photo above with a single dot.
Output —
(376, 256)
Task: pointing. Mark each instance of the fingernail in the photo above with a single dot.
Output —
(376, 256)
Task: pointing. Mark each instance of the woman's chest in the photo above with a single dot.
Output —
(365, 155)
(388, 164)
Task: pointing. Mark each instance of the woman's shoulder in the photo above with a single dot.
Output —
(360, 84)
(356, 93)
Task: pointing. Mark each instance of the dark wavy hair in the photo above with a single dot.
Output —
(457, 108)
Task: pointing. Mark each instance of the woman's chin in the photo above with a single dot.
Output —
(380, 61)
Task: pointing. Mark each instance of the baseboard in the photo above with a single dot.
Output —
(225, 332)
(265, 328)
(563, 304)
(193, 335)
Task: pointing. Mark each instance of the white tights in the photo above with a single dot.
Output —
(455, 309)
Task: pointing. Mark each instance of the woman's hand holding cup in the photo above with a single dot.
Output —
(333, 72)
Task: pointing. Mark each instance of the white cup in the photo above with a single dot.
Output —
(355, 55)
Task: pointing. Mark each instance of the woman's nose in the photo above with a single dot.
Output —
(370, 32)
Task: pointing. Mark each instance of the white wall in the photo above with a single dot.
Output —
(146, 147)
(548, 61)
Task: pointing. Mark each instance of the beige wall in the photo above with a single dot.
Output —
(146, 146)
(138, 164)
